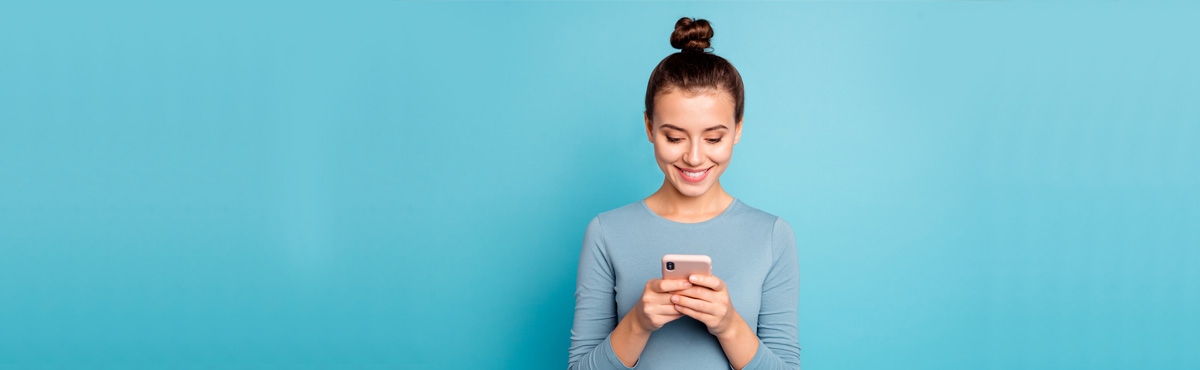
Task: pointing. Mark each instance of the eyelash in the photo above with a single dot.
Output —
(676, 140)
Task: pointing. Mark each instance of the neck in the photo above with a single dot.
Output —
(670, 200)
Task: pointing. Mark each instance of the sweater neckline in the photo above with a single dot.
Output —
(716, 218)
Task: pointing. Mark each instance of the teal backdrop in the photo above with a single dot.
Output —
(395, 184)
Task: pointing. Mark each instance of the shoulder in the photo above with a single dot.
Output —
(612, 219)
(748, 212)
(625, 211)
(781, 231)
(618, 218)
(754, 216)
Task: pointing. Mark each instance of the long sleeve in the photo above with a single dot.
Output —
(779, 340)
(595, 307)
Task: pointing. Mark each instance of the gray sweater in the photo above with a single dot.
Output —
(754, 252)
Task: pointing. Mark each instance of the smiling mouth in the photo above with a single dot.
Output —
(693, 175)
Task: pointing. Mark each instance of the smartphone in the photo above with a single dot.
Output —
(680, 266)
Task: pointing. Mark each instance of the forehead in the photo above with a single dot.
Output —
(694, 110)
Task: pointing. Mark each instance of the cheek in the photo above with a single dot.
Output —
(721, 154)
(667, 153)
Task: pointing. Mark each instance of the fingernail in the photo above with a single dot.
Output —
(675, 298)
(687, 284)
(695, 278)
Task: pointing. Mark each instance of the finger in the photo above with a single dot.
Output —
(709, 281)
(694, 304)
(658, 298)
(666, 308)
(701, 293)
(670, 285)
(655, 285)
(699, 316)
(663, 310)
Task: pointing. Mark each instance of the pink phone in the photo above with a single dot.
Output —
(680, 266)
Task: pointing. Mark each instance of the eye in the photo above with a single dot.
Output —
(714, 141)
(673, 139)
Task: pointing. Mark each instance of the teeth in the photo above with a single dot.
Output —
(693, 174)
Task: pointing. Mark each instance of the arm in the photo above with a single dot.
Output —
(593, 346)
(777, 345)
(595, 332)
(629, 339)
(740, 345)
(778, 316)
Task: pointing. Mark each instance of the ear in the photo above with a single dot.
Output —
(649, 128)
(737, 132)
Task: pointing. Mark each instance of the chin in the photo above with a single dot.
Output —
(693, 193)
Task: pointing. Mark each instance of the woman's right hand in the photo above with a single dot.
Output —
(655, 309)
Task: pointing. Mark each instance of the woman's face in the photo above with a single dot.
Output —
(693, 138)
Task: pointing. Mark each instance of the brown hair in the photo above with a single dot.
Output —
(694, 71)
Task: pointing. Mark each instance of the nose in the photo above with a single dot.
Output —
(692, 158)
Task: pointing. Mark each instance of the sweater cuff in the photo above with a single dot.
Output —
(611, 354)
(759, 355)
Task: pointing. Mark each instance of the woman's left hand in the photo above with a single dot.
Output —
(708, 302)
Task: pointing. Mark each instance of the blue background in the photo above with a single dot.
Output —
(984, 185)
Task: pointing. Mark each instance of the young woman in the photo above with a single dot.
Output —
(744, 315)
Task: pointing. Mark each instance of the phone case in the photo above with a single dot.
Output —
(686, 265)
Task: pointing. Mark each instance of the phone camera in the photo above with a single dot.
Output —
(670, 265)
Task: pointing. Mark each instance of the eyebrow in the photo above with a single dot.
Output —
(673, 127)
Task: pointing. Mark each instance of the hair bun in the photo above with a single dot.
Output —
(691, 33)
